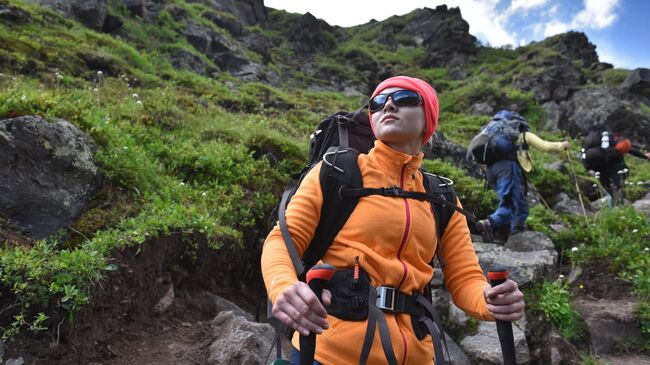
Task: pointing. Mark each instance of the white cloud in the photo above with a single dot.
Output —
(526, 5)
(597, 14)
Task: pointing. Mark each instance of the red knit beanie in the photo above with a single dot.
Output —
(428, 95)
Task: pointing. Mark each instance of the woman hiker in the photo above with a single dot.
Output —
(392, 239)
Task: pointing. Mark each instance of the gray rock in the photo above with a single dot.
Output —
(523, 266)
(611, 323)
(165, 302)
(185, 60)
(638, 82)
(530, 241)
(575, 46)
(239, 341)
(248, 12)
(567, 205)
(457, 316)
(643, 205)
(223, 305)
(232, 25)
(553, 115)
(553, 79)
(439, 147)
(47, 173)
(91, 13)
(484, 348)
(556, 227)
(309, 34)
(441, 300)
(481, 109)
(17, 361)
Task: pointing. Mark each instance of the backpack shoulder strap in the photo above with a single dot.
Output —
(339, 169)
(442, 187)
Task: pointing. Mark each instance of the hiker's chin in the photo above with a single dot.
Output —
(396, 135)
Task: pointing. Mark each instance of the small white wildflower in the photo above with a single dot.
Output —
(204, 194)
(125, 147)
(574, 249)
(639, 183)
(95, 90)
(647, 249)
(135, 96)
(138, 102)
(99, 73)
(561, 276)
(23, 97)
(181, 184)
(635, 230)
(59, 77)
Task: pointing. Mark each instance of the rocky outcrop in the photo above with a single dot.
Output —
(91, 13)
(638, 82)
(248, 12)
(183, 59)
(611, 323)
(47, 174)
(14, 15)
(309, 34)
(441, 31)
(552, 78)
(575, 46)
(643, 205)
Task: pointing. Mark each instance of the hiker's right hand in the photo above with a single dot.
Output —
(298, 308)
(566, 145)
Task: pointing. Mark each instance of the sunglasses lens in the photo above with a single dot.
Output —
(377, 102)
(406, 98)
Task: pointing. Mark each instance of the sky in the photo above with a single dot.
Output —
(620, 29)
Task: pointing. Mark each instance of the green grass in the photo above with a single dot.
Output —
(555, 301)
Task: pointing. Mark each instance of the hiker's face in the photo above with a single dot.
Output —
(398, 124)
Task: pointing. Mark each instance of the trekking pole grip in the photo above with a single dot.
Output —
(317, 277)
(498, 275)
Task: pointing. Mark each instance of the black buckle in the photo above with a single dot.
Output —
(394, 191)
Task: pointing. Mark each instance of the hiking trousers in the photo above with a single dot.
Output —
(505, 178)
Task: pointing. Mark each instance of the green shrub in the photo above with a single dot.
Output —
(554, 300)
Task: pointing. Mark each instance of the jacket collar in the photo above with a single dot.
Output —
(392, 162)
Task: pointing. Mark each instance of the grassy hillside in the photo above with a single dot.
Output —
(208, 156)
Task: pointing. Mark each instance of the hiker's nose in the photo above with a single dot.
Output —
(390, 105)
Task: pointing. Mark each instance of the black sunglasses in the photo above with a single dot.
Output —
(400, 98)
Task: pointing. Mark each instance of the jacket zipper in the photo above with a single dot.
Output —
(399, 254)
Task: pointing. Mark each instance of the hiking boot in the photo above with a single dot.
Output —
(517, 229)
(485, 227)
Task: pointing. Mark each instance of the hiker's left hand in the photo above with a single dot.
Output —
(505, 301)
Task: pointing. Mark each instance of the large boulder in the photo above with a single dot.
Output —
(614, 107)
(643, 205)
(611, 323)
(484, 348)
(638, 82)
(47, 173)
(239, 341)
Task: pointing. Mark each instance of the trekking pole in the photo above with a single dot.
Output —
(499, 275)
(317, 277)
(575, 182)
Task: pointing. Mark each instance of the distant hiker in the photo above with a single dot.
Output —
(386, 246)
(603, 152)
(503, 145)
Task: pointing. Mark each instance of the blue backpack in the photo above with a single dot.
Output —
(498, 138)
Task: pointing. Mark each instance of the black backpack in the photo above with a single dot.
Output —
(337, 142)
(598, 149)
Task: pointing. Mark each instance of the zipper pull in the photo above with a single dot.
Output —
(355, 280)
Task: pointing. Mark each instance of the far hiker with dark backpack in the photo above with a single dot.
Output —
(503, 146)
(375, 309)
(603, 152)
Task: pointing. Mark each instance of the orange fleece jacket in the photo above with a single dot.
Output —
(395, 240)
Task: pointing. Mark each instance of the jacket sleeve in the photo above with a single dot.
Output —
(303, 214)
(463, 274)
(638, 153)
(545, 146)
